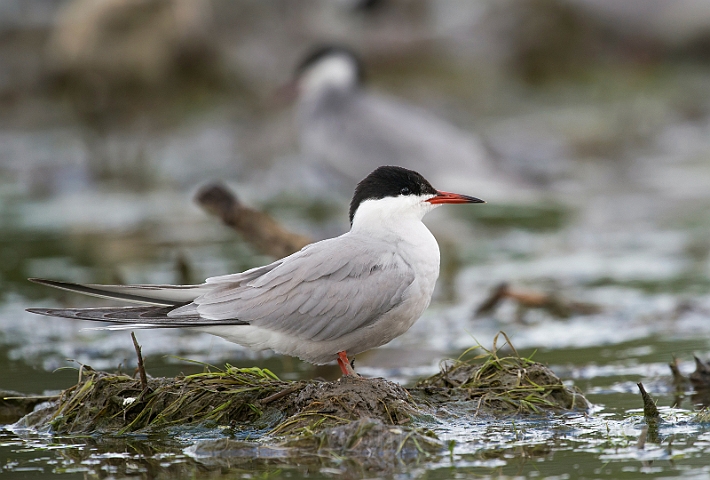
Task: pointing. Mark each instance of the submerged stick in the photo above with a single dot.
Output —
(141, 366)
(700, 378)
(15, 405)
(680, 381)
(641, 443)
(527, 299)
(490, 303)
(259, 229)
(651, 416)
(650, 411)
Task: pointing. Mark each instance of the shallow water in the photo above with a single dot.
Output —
(621, 222)
(650, 279)
(599, 443)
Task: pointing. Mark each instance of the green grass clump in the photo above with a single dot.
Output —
(117, 404)
(703, 416)
(501, 384)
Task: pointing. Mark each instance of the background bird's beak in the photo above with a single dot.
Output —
(446, 197)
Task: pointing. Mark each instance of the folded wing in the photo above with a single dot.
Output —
(318, 293)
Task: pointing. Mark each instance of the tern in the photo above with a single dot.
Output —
(350, 130)
(335, 297)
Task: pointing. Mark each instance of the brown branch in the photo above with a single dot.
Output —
(141, 366)
(527, 299)
(259, 229)
(491, 302)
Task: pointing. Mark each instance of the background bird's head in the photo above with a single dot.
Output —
(328, 67)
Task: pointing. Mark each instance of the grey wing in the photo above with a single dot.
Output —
(326, 290)
(368, 130)
(344, 133)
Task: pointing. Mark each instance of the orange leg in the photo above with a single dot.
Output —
(345, 366)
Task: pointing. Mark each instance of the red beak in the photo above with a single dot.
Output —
(446, 197)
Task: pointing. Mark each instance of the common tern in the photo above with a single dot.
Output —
(345, 294)
(349, 129)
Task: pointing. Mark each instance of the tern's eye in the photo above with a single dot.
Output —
(404, 191)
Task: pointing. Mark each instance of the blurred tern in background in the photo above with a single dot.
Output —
(350, 130)
(345, 294)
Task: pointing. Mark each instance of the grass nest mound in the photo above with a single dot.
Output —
(353, 415)
(500, 385)
(250, 401)
(316, 420)
(118, 404)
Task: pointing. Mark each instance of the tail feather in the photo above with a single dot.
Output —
(161, 295)
(134, 317)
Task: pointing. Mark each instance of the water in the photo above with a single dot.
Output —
(619, 219)
(600, 443)
(644, 263)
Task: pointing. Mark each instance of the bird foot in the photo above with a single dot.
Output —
(345, 366)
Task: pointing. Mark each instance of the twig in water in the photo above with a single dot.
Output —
(641, 444)
(680, 381)
(700, 378)
(650, 411)
(528, 299)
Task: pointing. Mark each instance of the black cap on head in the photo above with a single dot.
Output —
(323, 51)
(389, 181)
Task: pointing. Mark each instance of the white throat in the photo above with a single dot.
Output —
(392, 214)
